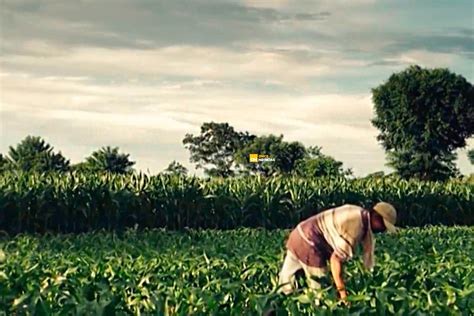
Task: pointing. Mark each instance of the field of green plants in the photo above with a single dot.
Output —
(420, 271)
(170, 245)
(75, 202)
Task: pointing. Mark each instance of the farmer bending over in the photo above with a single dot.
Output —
(332, 235)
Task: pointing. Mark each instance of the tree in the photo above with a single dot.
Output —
(376, 175)
(108, 159)
(316, 164)
(423, 116)
(214, 149)
(176, 168)
(34, 154)
(470, 155)
(4, 163)
(284, 153)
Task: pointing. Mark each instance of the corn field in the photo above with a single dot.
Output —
(420, 271)
(77, 202)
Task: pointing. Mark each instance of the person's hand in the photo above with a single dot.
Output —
(344, 302)
(343, 297)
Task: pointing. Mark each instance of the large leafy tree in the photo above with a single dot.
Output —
(285, 154)
(423, 116)
(213, 150)
(316, 164)
(108, 159)
(470, 155)
(176, 168)
(34, 154)
(4, 163)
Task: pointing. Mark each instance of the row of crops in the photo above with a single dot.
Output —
(79, 202)
(420, 271)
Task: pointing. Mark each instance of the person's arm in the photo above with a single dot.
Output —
(336, 271)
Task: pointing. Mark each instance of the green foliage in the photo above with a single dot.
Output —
(4, 163)
(214, 149)
(107, 159)
(470, 155)
(78, 202)
(376, 175)
(80, 167)
(423, 116)
(34, 154)
(316, 164)
(286, 155)
(176, 168)
(469, 178)
(425, 271)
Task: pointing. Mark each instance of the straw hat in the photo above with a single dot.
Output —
(389, 215)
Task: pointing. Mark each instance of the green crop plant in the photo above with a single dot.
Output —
(419, 271)
(77, 202)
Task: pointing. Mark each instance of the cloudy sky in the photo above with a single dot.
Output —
(142, 74)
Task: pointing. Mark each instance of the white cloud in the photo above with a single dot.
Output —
(423, 58)
(204, 63)
(305, 4)
(276, 4)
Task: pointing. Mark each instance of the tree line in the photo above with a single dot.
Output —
(217, 156)
(423, 115)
